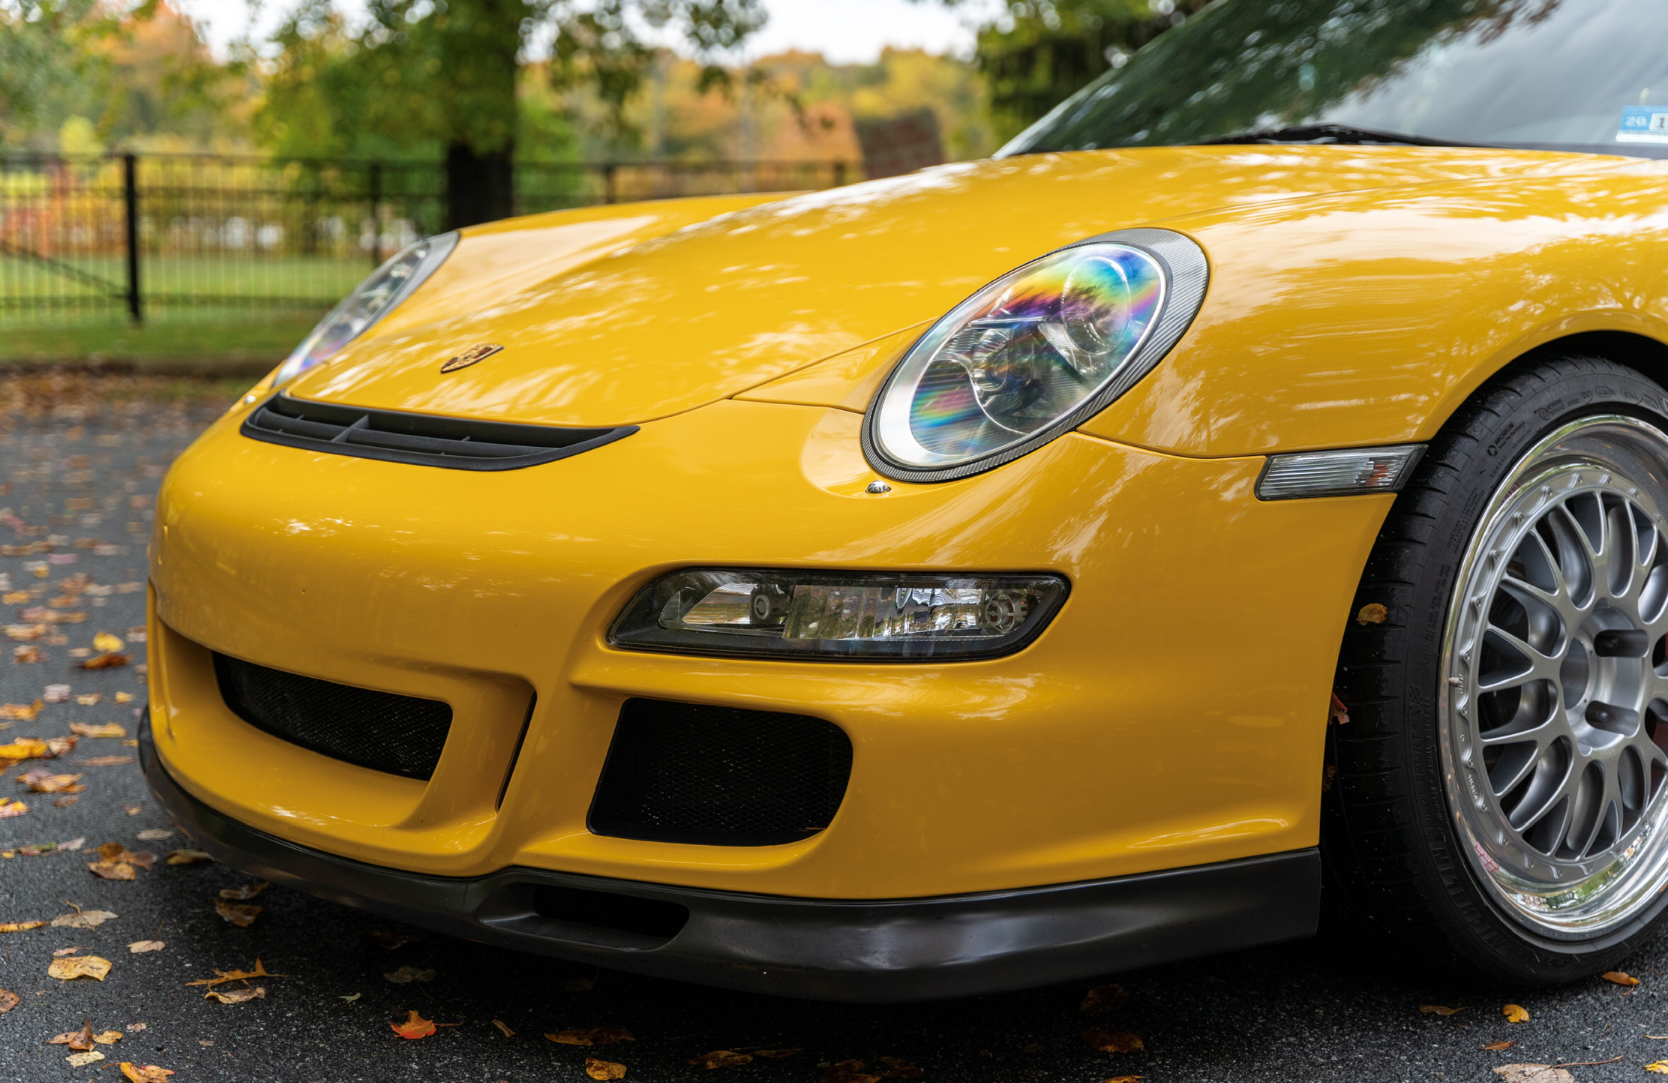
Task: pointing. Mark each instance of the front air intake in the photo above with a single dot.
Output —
(418, 439)
(682, 772)
(401, 735)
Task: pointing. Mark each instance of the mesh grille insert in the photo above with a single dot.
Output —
(402, 735)
(418, 439)
(681, 772)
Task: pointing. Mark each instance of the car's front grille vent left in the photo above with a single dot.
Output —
(418, 439)
(402, 735)
(683, 772)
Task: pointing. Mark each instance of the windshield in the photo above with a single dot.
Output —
(1573, 75)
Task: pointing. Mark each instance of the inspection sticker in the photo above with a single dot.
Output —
(1643, 124)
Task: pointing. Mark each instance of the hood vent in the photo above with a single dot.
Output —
(418, 439)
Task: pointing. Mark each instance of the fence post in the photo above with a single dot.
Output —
(376, 221)
(609, 194)
(130, 201)
(840, 173)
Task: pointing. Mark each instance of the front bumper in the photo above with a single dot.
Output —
(824, 949)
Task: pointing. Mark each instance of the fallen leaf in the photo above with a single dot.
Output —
(1123, 1079)
(774, 1054)
(107, 729)
(244, 891)
(26, 748)
(848, 1071)
(108, 761)
(1660, 1067)
(1515, 1013)
(8, 1000)
(1532, 1073)
(188, 857)
(1437, 1009)
(722, 1058)
(61, 952)
(135, 1028)
(155, 834)
(592, 1036)
(9, 809)
(56, 693)
(81, 1060)
(242, 915)
(139, 947)
(237, 996)
(64, 802)
(145, 1073)
(236, 975)
(108, 1037)
(75, 1039)
(131, 810)
(1372, 613)
(1114, 1041)
(504, 1028)
(1620, 977)
(351, 997)
(103, 661)
(414, 1027)
(83, 919)
(604, 1069)
(116, 862)
(405, 975)
(1495, 1047)
(1103, 998)
(14, 597)
(21, 712)
(124, 697)
(91, 698)
(19, 926)
(79, 966)
(105, 643)
(26, 654)
(42, 780)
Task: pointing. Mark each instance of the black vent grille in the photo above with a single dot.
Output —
(418, 439)
(402, 735)
(680, 772)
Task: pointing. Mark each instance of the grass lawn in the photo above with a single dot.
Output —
(239, 342)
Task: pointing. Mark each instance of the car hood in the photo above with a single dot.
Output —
(623, 326)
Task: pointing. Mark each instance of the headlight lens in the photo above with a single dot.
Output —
(1034, 353)
(795, 614)
(371, 300)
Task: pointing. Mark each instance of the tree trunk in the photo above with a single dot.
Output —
(479, 186)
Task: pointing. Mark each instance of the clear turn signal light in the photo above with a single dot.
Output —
(1338, 473)
(799, 614)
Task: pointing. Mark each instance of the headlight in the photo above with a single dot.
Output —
(795, 614)
(1034, 354)
(371, 300)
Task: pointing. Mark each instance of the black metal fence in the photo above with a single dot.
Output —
(195, 236)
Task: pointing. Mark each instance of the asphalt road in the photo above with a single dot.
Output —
(77, 452)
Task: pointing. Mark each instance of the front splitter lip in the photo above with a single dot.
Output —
(822, 949)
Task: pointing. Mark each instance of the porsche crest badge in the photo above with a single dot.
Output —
(471, 356)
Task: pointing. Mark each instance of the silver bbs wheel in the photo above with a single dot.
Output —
(1554, 708)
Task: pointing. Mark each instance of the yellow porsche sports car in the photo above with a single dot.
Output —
(1254, 477)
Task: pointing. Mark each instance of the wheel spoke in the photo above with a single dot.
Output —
(1537, 665)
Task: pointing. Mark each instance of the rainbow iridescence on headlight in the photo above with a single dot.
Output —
(1021, 353)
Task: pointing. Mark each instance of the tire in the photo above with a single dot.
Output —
(1513, 831)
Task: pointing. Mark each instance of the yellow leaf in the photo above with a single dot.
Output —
(81, 1060)
(104, 643)
(109, 1037)
(1372, 613)
(145, 1073)
(1515, 1013)
(188, 857)
(1620, 977)
(237, 975)
(12, 808)
(107, 729)
(414, 1027)
(1437, 1009)
(79, 966)
(1124, 1079)
(604, 1069)
(19, 926)
(1660, 1067)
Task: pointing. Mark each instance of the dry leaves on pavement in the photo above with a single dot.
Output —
(103, 661)
(1123, 1079)
(1438, 1009)
(107, 729)
(8, 1000)
(43, 780)
(604, 1069)
(1515, 1013)
(81, 1060)
(78, 966)
(75, 1039)
(414, 1027)
(1532, 1073)
(244, 892)
(105, 643)
(115, 862)
(83, 919)
(12, 808)
(1660, 1067)
(20, 712)
(236, 996)
(106, 761)
(1103, 998)
(592, 1036)
(242, 915)
(224, 976)
(722, 1058)
(145, 1073)
(405, 975)
(35, 748)
(19, 926)
(1620, 977)
(503, 1028)
(155, 834)
(188, 857)
(1495, 1047)
(1114, 1041)
(139, 947)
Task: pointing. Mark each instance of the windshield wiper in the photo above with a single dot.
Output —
(1332, 133)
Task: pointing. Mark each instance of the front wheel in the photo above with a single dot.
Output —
(1499, 795)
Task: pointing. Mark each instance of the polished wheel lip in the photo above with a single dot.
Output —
(1570, 892)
